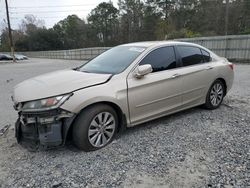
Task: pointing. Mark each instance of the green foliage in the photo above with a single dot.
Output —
(131, 12)
(44, 39)
(150, 21)
(163, 7)
(103, 21)
(163, 29)
(4, 41)
(71, 32)
(245, 32)
(183, 33)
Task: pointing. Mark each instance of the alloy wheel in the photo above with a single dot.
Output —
(216, 94)
(101, 129)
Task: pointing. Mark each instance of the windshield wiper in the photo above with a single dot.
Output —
(76, 69)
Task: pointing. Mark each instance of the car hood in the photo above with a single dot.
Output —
(56, 83)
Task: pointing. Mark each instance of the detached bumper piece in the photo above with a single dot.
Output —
(43, 130)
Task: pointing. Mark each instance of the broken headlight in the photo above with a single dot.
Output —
(45, 104)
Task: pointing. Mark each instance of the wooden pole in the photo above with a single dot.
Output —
(10, 34)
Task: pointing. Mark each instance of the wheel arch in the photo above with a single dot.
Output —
(225, 84)
(207, 103)
(122, 119)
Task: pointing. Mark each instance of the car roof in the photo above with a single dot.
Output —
(147, 44)
(152, 44)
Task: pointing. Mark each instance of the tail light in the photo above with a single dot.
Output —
(231, 65)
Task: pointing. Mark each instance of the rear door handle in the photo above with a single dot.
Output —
(209, 68)
(175, 76)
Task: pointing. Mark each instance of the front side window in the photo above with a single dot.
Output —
(161, 59)
(113, 61)
(190, 55)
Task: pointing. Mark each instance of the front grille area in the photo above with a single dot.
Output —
(44, 129)
(40, 130)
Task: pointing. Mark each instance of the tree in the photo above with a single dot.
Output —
(19, 40)
(28, 28)
(44, 39)
(150, 21)
(104, 21)
(72, 32)
(4, 45)
(136, 20)
(239, 17)
(131, 12)
(30, 24)
(164, 7)
(183, 13)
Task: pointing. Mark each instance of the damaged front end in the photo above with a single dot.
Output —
(42, 128)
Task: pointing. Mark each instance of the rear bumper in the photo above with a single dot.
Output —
(43, 130)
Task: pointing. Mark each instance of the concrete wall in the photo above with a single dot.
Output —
(81, 54)
(236, 47)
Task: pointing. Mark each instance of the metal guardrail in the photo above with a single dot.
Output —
(234, 47)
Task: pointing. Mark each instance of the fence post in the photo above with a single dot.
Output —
(226, 47)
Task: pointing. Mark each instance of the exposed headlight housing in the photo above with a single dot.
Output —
(45, 104)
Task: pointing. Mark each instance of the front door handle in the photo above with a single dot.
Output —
(175, 76)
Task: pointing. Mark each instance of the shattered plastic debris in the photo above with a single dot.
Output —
(4, 129)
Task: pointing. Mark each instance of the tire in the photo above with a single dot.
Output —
(95, 127)
(215, 95)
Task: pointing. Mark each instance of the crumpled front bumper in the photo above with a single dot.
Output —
(43, 130)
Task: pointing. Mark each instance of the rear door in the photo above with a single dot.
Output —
(197, 72)
(156, 93)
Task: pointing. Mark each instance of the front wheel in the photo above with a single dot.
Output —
(215, 95)
(95, 127)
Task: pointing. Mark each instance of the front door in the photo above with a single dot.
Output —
(156, 93)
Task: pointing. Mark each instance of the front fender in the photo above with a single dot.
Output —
(102, 93)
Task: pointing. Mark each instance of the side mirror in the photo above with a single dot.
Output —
(143, 70)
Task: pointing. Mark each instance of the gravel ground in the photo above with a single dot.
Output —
(194, 148)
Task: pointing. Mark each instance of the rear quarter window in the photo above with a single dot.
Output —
(206, 56)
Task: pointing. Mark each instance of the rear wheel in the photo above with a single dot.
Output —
(95, 127)
(215, 95)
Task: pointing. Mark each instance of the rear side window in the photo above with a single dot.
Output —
(161, 59)
(190, 55)
(206, 56)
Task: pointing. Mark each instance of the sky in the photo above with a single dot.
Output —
(51, 11)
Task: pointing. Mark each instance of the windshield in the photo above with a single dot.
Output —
(113, 61)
